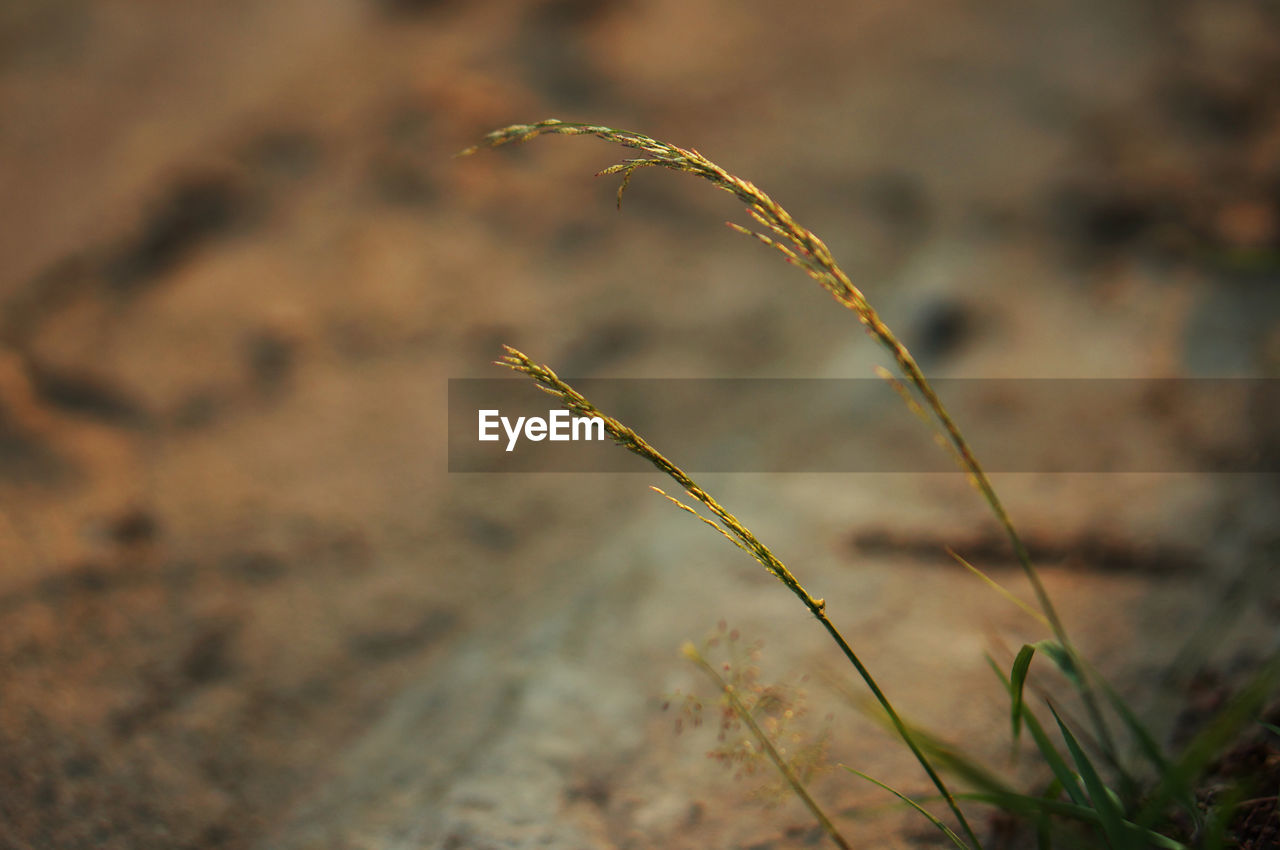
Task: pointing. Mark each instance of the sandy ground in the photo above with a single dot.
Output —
(243, 603)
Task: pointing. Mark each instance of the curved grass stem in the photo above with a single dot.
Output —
(803, 248)
(624, 436)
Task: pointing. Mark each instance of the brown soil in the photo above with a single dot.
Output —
(244, 604)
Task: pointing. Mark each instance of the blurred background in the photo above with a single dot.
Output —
(243, 604)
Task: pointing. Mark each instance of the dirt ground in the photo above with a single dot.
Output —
(244, 604)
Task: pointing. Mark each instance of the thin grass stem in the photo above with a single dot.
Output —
(731, 694)
(575, 402)
(810, 253)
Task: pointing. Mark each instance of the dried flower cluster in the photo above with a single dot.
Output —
(752, 716)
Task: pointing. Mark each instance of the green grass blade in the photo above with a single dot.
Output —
(1109, 814)
(1029, 806)
(1062, 773)
(1078, 671)
(995, 668)
(1148, 747)
(1053, 758)
(1063, 660)
(1044, 834)
(1178, 780)
(1018, 680)
(1000, 589)
(947, 757)
(1146, 741)
(946, 830)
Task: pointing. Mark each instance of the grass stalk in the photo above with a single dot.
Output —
(803, 248)
(942, 827)
(575, 402)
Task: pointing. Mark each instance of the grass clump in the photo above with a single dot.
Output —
(1101, 798)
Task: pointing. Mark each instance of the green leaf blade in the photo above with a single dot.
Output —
(1017, 681)
(1103, 802)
